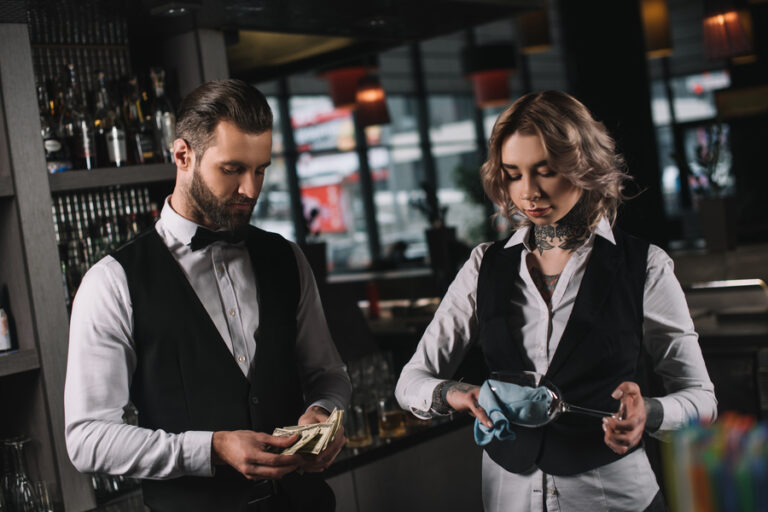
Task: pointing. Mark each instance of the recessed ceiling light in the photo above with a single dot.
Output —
(172, 8)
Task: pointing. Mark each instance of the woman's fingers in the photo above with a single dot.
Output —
(479, 413)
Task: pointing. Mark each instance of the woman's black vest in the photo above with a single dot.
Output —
(600, 348)
(186, 378)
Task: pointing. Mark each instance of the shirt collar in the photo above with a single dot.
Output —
(520, 236)
(179, 227)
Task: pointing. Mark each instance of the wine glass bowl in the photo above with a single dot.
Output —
(557, 405)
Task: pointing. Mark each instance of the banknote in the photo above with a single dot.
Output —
(314, 438)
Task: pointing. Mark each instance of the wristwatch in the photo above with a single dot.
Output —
(439, 402)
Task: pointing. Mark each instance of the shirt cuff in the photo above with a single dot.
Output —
(672, 415)
(196, 447)
(328, 405)
(423, 407)
(654, 414)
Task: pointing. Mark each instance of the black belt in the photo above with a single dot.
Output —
(261, 492)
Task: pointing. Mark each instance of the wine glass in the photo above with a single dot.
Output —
(556, 407)
(20, 494)
(43, 497)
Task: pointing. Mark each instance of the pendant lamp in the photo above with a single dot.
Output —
(343, 83)
(533, 27)
(727, 30)
(488, 66)
(371, 102)
(658, 40)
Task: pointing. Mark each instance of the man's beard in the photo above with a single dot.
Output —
(217, 212)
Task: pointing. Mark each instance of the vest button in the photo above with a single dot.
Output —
(255, 400)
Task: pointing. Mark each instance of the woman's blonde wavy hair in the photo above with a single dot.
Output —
(578, 147)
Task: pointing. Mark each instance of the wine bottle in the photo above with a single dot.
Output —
(110, 131)
(163, 116)
(76, 125)
(138, 124)
(56, 157)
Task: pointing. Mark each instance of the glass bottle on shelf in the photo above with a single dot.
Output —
(163, 116)
(110, 131)
(138, 123)
(6, 333)
(77, 126)
(56, 156)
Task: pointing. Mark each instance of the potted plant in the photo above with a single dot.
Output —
(446, 253)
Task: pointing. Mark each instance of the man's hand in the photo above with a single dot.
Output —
(624, 429)
(247, 452)
(321, 461)
(463, 397)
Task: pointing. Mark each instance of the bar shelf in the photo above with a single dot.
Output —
(108, 176)
(6, 186)
(75, 46)
(18, 361)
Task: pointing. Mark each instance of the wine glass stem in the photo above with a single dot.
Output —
(585, 410)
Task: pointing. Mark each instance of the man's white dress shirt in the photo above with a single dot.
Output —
(102, 355)
(668, 336)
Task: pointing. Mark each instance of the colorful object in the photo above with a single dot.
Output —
(719, 467)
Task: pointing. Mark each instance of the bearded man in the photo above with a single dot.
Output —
(213, 329)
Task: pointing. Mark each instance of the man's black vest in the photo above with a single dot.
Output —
(600, 348)
(186, 378)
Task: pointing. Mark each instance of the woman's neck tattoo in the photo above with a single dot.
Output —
(568, 234)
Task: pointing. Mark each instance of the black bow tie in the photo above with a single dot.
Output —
(205, 237)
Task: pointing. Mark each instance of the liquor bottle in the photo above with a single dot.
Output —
(6, 322)
(163, 116)
(110, 131)
(138, 124)
(56, 157)
(76, 125)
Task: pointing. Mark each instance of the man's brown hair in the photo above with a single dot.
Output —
(221, 100)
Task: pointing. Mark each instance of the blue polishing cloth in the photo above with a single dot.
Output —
(510, 403)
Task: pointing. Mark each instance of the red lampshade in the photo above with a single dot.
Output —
(371, 102)
(489, 67)
(491, 87)
(727, 33)
(342, 83)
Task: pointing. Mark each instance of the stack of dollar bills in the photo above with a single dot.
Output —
(313, 438)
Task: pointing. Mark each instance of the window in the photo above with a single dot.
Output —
(695, 113)
(396, 164)
(454, 146)
(273, 210)
(329, 179)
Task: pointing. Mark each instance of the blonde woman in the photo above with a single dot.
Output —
(570, 296)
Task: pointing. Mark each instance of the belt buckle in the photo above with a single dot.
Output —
(262, 491)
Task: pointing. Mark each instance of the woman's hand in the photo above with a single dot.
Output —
(624, 429)
(462, 397)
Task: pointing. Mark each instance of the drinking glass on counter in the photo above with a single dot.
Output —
(391, 418)
(358, 430)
